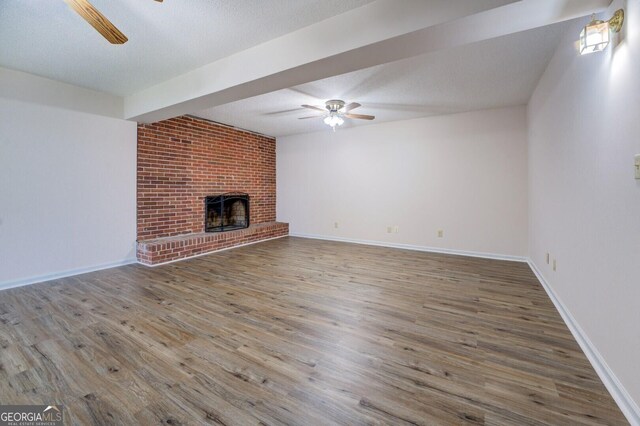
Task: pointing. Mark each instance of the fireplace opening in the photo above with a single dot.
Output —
(226, 212)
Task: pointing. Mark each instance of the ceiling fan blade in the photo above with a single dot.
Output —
(97, 21)
(360, 116)
(309, 116)
(314, 107)
(159, 1)
(352, 105)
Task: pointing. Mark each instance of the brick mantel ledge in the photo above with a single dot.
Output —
(161, 250)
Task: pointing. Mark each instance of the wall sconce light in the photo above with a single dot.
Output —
(594, 37)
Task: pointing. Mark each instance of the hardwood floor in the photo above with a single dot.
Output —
(297, 331)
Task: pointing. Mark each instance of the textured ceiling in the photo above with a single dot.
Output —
(495, 73)
(171, 38)
(165, 39)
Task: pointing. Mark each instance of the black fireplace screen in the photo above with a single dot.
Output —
(226, 212)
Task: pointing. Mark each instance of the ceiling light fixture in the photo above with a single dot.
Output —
(333, 121)
(595, 36)
(335, 111)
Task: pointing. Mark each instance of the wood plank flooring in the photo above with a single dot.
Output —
(298, 331)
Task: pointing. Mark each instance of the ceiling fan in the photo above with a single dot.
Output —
(98, 21)
(336, 112)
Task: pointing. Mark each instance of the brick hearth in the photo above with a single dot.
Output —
(185, 159)
(160, 250)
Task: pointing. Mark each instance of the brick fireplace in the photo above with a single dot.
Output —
(184, 160)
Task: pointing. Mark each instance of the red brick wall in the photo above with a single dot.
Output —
(184, 159)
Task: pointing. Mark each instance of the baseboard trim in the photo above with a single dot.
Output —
(68, 273)
(209, 252)
(414, 247)
(627, 405)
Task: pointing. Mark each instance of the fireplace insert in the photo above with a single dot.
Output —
(226, 212)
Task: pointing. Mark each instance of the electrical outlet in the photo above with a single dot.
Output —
(555, 265)
(440, 233)
(637, 166)
(389, 229)
(335, 225)
(548, 258)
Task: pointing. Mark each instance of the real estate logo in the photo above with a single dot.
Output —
(31, 415)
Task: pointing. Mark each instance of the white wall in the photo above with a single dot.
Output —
(67, 191)
(584, 129)
(465, 174)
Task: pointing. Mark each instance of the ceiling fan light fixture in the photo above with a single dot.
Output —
(333, 121)
(336, 112)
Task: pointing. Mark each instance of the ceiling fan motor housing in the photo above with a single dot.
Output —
(334, 105)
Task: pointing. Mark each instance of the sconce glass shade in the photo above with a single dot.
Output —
(594, 37)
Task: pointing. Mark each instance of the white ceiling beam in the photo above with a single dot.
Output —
(381, 32)
(25, 87)
(279, 63)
